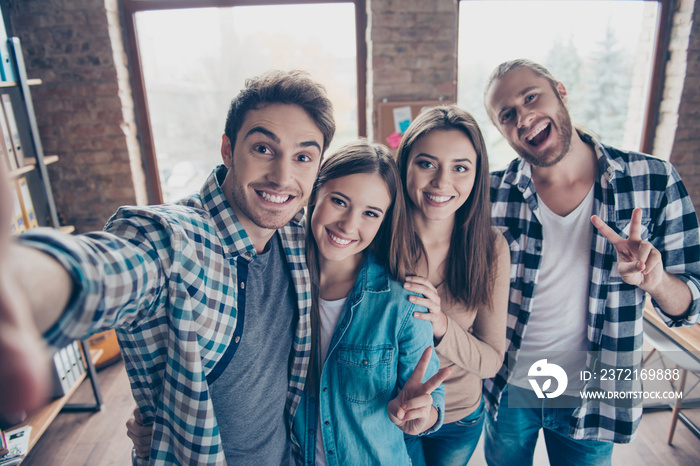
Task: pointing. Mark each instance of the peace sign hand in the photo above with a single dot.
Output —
(638, 262)
(412, 409)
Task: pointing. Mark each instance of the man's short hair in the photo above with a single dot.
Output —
(507, 66)
(282, 87)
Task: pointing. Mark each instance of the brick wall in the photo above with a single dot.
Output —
(681, 103)
(85, 109)
(84, 106)
(411, 52)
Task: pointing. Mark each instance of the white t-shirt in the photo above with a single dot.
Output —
(329, 313)
(557, 327)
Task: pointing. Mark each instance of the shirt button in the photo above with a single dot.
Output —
(312, 399)
(325, 389)
(237, 339)
(365, 362)
(326, 422)
(311, 431)
(330, 452)
(242, 285)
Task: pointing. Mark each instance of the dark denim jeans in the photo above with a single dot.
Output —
(511, 440)
(453, 444)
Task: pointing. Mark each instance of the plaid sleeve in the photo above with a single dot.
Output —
(678, 241)
(118, 278)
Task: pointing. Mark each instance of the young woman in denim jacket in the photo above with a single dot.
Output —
(462, 270)
(363, 390)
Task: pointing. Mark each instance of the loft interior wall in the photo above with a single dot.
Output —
(85, 107)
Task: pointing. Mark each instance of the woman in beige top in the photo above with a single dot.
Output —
(462, 270)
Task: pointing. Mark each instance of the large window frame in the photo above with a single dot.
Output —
(658, 71)
(131, 7)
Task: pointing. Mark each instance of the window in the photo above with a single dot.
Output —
(194, 61)
(602, 51)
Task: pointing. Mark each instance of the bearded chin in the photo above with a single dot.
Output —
(564, 124)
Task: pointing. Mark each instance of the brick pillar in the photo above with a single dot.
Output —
(682, 94)
(411, 52)
(84, 107)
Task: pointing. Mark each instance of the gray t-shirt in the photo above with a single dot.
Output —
(250, 394)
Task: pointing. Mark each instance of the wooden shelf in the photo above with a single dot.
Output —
(41, 420)
(31, 82)
(30, 164)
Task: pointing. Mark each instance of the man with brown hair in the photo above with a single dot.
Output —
(177, 282)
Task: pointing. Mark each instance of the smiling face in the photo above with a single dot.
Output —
(531, 116)
(272, 167)
(440, 173)
(348, 213)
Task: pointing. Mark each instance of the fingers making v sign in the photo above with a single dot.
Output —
(412, 409)
(638, 262)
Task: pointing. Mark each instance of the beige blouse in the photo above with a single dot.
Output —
(475, 341)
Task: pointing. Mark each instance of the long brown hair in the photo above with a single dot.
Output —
(389, 244)
(469, 270)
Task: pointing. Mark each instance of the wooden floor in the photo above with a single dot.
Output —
(99, 439)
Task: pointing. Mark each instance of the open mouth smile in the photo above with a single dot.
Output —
(337, 241)
(539, 134)
(271, 198)
(437, 200)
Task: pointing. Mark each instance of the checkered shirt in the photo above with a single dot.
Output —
(167, 278)
(625, 180)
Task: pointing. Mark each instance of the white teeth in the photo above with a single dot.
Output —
(537, 131)
(341, 241)
(438, 199)
(275, 199)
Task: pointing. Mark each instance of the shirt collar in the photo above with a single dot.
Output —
(233, 235)
(519, 172)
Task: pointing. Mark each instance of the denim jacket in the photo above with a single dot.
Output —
(375, 347)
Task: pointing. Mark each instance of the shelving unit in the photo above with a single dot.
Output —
(35, 163)
(41, 420)
(30, 165)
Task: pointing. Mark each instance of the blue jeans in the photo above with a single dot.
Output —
(452, 444)
(511, 440)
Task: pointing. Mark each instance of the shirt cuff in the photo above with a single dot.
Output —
(691, 317)
(57, 246)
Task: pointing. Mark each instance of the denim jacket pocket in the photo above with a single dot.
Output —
(364, 372)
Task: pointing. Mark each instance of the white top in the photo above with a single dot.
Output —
(329, 313)
(557, 326)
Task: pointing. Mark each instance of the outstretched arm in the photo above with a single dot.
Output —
(34, 289)
(640, 264)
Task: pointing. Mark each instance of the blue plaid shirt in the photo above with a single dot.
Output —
(171, 279)
(615, 326)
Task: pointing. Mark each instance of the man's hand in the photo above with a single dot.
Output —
(140, 434)
(24, 362)
(412, 409)
(638, 262)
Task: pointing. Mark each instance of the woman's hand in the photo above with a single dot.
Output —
(139, 434)
(412, 410)
(431, 301)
